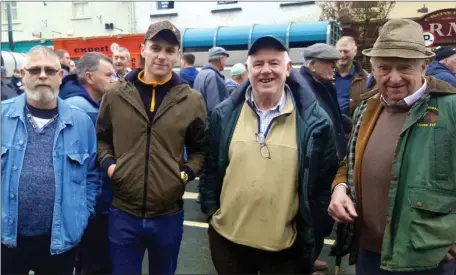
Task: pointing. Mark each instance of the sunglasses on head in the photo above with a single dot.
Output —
(37, 70)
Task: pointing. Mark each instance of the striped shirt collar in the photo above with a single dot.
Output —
(279, 107)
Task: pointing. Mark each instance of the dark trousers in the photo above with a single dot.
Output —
(369, 263)
(33, 253)
(130, 236)
(93, 251)
(232, 258)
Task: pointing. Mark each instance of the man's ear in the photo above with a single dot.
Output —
(289, 67)
(143, 47)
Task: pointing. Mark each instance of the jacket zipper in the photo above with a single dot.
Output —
(146, 168)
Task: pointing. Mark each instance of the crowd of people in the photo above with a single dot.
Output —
(96, 157)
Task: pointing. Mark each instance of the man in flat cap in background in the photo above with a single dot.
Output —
(270, 164)
(396, 190)
(444, 65)
(210, 82)
(145, 121)
(318, 70)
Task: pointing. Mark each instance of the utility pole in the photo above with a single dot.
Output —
(10, 26)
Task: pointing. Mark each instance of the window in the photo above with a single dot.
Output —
(13, 12)
(80, 9)
(226, 2)
(165, 5)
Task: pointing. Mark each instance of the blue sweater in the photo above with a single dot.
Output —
(37, 182)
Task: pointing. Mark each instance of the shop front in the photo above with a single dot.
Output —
(439, 28)
(77, 47)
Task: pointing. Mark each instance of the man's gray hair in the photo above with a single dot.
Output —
(215, 58)
(308, 62)
(44, 51)
(88, 63)
(123, 50)
(61, 53)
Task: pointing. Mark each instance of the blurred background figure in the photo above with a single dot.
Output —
(238, 75)
(188, 72)
(72, 67)
(121, 60)
(65, 59)
(16, 80)
(444, 65)
(8, 88)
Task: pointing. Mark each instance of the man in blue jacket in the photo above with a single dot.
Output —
(210, 82)
(188, 72)
(444, 66)
(84, 90)
(49, 178)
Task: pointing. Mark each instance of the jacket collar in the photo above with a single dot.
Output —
(301, 92)
(17, 109)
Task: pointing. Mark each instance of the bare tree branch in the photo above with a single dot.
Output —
(365, 17)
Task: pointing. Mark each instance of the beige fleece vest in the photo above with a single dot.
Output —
(259, 199)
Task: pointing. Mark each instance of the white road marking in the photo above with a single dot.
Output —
(190, 195)
(206, 225)
(196, 224)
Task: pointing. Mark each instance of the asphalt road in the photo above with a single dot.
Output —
(195, 257)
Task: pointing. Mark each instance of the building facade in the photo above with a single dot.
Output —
(45, 20)
(224, 13)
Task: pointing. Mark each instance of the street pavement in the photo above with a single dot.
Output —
(195, 256)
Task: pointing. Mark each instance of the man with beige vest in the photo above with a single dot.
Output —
(271, 161)
(396, 190)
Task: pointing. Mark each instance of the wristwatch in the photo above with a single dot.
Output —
(184, 177)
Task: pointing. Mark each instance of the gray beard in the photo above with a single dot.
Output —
(42, 95)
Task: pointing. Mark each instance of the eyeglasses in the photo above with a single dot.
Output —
(37, 71)
(264, 151)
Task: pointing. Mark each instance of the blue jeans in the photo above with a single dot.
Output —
(369, 263)
(130, 236)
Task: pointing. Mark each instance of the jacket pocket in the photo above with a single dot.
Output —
(433, 221)
(77, 167)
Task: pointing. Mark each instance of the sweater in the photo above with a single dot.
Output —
(37, 181)
(376, 170)
(259, 199)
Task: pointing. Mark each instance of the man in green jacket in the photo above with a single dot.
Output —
(271, 162)
(145, 120)
(397, 187)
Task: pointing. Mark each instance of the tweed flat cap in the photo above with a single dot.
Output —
(217, 51)
(157, 27)
(321, 51)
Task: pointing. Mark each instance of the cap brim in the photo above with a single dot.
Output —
(169, 32)
(400, 53)
(267, 42)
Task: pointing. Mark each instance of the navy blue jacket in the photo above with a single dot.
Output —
(326, 95)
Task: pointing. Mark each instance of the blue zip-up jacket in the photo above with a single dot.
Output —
(77, 183)
(188, 74)
(76, 95)
(211, 84)
(439, 71)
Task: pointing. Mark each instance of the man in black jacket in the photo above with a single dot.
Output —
(320, 64)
